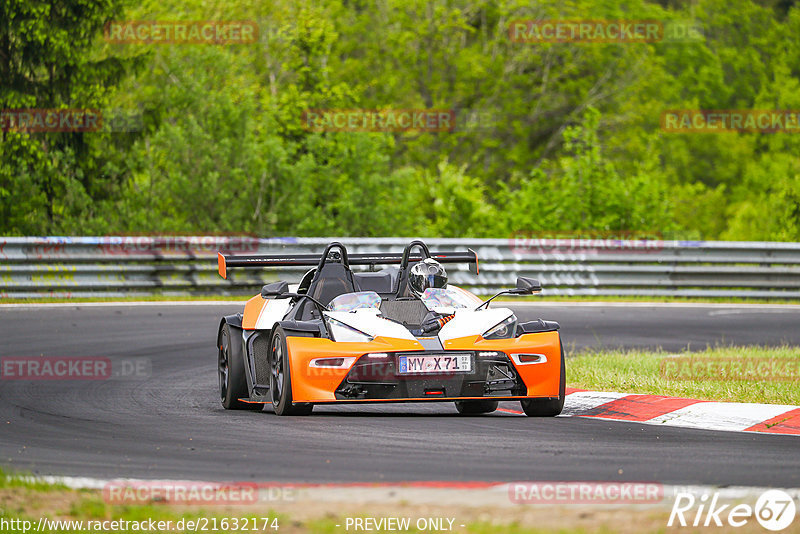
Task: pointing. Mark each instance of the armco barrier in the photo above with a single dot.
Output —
(118, 266)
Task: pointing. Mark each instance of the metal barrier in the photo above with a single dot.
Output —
(134, 266)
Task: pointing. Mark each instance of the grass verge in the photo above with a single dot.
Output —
(736, 374)
(24, 503)
(8, 481)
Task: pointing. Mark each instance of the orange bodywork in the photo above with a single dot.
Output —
(252, 310)
(542, 379)
(313, 384)
(222, 266)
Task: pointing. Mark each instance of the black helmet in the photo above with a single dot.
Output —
(426, 273)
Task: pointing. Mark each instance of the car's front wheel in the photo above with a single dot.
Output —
(230, 369)
(281, 379)
(548, 407)
(474, 407)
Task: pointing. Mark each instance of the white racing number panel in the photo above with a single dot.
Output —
(440, 363)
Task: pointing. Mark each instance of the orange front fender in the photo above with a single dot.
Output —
(313, 384)
(542, 379)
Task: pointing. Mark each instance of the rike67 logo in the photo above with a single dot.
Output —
(774, 510)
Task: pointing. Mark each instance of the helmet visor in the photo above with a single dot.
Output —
(435, 280)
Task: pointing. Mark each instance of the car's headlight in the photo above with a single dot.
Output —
(342, 332)
(506, 329)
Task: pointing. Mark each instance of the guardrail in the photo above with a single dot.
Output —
(68, 267)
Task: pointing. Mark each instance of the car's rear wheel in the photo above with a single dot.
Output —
(548, 407)
(475, 407)
(281, 379)
(230, 368)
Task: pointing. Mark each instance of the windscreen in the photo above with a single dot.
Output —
(355, 301)
(435, 297)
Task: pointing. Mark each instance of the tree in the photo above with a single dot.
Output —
(49, 59)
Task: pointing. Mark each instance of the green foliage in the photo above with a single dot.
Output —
(548, 137)
(583, 190)
(452, 203)
(52, 181)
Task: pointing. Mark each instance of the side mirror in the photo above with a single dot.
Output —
(527, 286)
(275, 289)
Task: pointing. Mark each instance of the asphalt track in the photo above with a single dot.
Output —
(169, 424)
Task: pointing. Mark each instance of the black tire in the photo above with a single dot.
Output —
(548, 407)
(474, 407)
(281, 379)
(230, 368)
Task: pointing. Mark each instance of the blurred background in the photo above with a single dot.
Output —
(549, 136)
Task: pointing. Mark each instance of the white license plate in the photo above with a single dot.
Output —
(450, 363)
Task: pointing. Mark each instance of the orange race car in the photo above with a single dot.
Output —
(396, 335)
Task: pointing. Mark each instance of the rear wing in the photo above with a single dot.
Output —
(313, 260)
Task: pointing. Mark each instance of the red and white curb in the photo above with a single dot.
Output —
(679, 412)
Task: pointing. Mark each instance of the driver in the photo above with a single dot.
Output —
(423, 275)
(426, 273)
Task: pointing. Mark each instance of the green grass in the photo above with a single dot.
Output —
(26, 481)
(88, 505)
(38, 500)
(24, 498)
(641, 372)
(515, 528)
